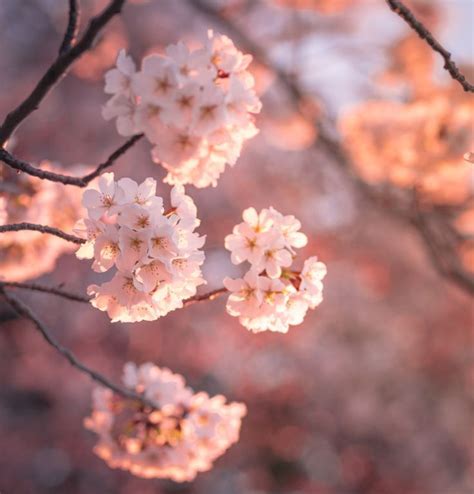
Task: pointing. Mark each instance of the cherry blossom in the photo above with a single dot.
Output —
(153, 253)
(103, 200)
(195, 107)
(271, 295)
(182, 436)
(119, 80)
(122, 105)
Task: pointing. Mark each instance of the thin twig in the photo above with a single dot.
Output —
(111, 159)
(46, 289)
(16, 227)
(83, 181)
(72, 26)
(24, 311)
(57, 69)
(407, 15)
(205, 296)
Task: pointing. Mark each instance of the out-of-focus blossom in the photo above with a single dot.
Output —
(179, 438)
(271, 295)
(322, 6)
(93, 62)
(419, 144)
(195, 107)
(292, 132)
(23, 198)
(412, 66)
(155, 252)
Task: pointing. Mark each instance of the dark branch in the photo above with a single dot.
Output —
(72, 26)
(24, 311)
(37, 287)
(57, 69)
(16, 227)
(25, 167)
(407, 15)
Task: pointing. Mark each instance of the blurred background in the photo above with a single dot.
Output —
(372, 394)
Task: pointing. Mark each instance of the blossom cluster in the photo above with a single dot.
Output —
(179, 438)
(27, 254)
(196, 107)
(271, 295)
(155, 252)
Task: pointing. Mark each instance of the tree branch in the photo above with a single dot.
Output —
(24, 311)
(407, 15)
(205, 296)
(37, 287)
(83, 181)
(72, 26)
(329, 143)
(110, 160)
(16, 227)
(57, 69)
(212, 295)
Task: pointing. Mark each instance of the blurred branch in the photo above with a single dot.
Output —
(72, 26)
(16, 227)
(23, 166)
(46, 289)
(407, 15)
(441, 244)
(57, 69)
(329, 142)
(24, 311)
